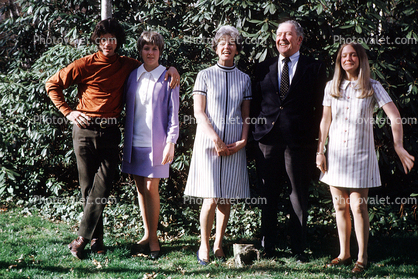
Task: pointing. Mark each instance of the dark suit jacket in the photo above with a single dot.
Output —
(299, 114)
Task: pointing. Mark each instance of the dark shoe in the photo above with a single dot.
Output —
(338, 261)
(154, 255)
(359, 267)
(77, 247)
(139, 249)
(201, 262)
(268, 253)
(97, 246)
(301, 258)
(269, 250)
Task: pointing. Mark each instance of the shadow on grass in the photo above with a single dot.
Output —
(390, 256)
(396, 250)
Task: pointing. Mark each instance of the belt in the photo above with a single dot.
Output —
(103, 123)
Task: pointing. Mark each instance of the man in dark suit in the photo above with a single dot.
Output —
(287, 97)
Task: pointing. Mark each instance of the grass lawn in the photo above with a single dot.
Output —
(32, 247)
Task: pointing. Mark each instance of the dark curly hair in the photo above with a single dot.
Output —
(109, 26)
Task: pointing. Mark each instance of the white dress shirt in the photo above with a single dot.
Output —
(292, 66)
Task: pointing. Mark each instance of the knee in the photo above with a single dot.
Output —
(152, 184)
(359, 208)
(209, 204)
(139, 183)
(224, 206)
(340, 204)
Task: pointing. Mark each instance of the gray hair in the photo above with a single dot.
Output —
(299, 29)
(230, 31)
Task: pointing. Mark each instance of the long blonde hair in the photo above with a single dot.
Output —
(363, 75)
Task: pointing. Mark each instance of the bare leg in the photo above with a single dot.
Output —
(149, 203)
(140, 186)
(358, 203)
(222, 217)
(342, 214)
(207, 215)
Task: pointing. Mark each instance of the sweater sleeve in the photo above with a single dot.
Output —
(173, 116)
(63, 79)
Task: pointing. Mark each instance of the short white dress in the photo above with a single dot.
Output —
(351, 154)
(210, 175)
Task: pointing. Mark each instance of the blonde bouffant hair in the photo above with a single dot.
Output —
(363, 73)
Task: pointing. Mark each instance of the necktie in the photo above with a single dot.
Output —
(284, 81)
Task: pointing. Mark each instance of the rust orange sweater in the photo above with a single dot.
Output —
(100, 81)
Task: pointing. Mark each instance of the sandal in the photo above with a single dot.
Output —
(359, 267)
(338, 261)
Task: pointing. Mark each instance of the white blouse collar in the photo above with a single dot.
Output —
(156, 73)
(345, 83)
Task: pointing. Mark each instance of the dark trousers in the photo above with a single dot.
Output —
(274, 160)
(97, 154)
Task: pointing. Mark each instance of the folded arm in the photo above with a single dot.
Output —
(207, 128)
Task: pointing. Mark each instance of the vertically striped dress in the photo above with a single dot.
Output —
(351, 154)
(210, 175)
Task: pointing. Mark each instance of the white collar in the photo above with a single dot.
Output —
(293, 58)
(156, 73)
(345, 83)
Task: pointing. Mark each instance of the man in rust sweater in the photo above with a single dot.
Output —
(100, 78)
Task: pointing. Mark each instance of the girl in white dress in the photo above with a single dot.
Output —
(349, 101)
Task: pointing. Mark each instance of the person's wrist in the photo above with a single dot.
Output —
(216, 140)
(398, 145)
(168, 67)
(320, 152)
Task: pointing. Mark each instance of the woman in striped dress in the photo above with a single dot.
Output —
(218, 170)
(350, 167)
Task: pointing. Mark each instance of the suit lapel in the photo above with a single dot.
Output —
(300, 72)
(274, 74)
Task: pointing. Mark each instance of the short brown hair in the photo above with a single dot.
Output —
(150, 37)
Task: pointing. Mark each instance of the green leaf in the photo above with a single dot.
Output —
(265, 27)
(263, 56)
(255, 21)
(319, 9)
(347, 26)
